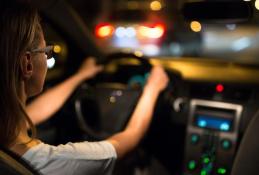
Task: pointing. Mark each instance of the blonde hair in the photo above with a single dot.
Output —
(20, 31)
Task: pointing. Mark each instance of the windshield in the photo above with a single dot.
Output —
(158, 29)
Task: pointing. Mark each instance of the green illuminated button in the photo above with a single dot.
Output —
(203, 172)
(192, 165)
(221, 171)
(206, 160)
(195, 138)
(226, 144)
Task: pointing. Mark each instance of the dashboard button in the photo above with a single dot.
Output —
(221, 170)
(192, 165)
(226, 144)
(195, 138)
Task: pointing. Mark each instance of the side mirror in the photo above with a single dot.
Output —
(218, 11)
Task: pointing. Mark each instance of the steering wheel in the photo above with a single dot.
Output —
(103, 109)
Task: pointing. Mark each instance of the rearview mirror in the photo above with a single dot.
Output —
(218, 11)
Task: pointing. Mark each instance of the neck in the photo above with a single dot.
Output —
(23, 136)
(23, 142)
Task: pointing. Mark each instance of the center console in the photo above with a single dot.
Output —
(211, 137)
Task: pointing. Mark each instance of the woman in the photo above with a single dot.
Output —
(23, 54)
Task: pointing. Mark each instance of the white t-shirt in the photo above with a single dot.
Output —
(86, 158)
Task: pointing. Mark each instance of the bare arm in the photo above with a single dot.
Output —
(44, 106)
(142, 115)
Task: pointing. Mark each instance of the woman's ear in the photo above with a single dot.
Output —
(26, 66)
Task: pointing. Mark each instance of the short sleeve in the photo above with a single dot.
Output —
(92, 158)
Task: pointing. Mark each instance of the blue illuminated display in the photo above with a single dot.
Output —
(212, 122)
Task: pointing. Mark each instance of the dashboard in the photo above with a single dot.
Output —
(209, 111)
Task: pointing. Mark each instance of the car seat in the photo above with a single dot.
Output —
(12, 164)
(247, 158)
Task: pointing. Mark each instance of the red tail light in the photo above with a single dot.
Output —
(152, 31)
(104, 30)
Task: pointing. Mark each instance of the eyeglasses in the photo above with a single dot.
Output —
(47, 50)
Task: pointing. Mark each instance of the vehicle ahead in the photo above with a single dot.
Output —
(132, 25)
(201, 117)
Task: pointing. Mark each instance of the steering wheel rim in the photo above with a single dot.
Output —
(84, 126)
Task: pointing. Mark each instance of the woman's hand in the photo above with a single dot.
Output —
(89, 68)
(139, 122)
(157, 79)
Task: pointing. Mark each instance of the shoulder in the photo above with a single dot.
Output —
(79, 150)
(86, 156)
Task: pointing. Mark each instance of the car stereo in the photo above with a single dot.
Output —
(211, 137)
(213, 122)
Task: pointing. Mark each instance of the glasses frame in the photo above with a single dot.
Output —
(48, 50)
